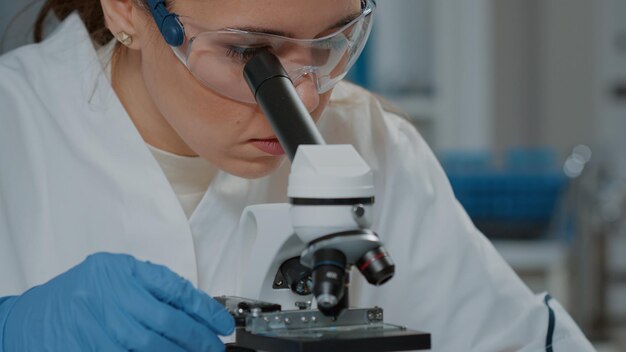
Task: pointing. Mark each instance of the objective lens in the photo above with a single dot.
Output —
(329, 269)
(376, 265)
(298, 276)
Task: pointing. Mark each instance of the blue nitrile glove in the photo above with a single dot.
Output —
(113, 302)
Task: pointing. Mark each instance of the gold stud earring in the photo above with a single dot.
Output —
(124, 38)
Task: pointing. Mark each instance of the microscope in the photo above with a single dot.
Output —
(300, 272)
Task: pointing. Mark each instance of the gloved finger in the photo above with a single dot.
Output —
(171, 322)
(169, 287)
(92, 337)
(134, 336)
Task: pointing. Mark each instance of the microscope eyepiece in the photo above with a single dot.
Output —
(376, 266)
(278, 99)
(329, 270)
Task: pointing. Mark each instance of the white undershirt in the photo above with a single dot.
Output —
(189, 176)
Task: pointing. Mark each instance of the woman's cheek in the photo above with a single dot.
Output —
(324, 100)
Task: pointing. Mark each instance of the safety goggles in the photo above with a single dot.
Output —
(217, 58)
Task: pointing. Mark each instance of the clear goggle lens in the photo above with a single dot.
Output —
(217, 58)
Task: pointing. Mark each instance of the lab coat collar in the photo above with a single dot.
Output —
(65, 51)
(105, 138)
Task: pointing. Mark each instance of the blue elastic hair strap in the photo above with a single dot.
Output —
(168, 23)
(551, 323)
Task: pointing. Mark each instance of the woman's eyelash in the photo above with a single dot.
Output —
(244, 54)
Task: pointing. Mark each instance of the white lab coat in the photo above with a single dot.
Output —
(77, 178)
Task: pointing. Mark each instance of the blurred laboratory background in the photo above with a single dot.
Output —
(524, 102)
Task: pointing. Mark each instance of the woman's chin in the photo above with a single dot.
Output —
(257, 168)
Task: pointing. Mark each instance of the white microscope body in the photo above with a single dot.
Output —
(283, 231)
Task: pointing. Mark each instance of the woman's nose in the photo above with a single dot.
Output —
(307, 91)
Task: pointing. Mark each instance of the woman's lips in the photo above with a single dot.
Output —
(271, 146)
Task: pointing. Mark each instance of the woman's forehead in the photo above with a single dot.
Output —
(292, 18)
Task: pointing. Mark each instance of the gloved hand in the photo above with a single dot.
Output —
(113, 302)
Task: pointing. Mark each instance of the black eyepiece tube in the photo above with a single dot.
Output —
(279, 101)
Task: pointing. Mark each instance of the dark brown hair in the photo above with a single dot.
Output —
(90, 12)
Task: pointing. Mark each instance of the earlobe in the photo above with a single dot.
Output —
(119, 19)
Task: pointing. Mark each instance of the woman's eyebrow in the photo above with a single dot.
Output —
(344, 21)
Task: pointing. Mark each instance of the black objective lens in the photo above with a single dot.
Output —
(298, 276)
(376, 265)
(329, 269)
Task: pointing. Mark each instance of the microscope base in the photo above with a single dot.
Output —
(357, 340)
(263, 326)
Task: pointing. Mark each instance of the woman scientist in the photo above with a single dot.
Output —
(151, 145)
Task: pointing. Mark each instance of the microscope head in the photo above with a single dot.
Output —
(331, 191)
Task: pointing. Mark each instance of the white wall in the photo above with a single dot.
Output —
(611, 62)
(544, 71)
(566, 73)
(16, 22)
(515, 78)
(402, 60)
(464, 91)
